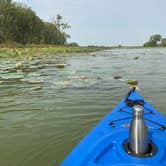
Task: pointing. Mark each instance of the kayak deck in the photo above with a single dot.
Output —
(103, 146)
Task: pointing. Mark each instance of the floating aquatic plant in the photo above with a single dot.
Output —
(12, 76)
(60, 65)
(117, 77)
(132, 82)
(32, 80)
(19, 65)
(1, 82)
(28, 52)
(37, 88)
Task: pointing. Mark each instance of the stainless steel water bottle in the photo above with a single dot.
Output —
(138, 134)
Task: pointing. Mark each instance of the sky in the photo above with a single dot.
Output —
(106, 22)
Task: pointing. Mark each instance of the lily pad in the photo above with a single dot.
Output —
(99, 78)
(32, 80)
(36, 82)
(34, 74)
(132, 82)
(19, 65)
(12, 76)
(37, 88)
(1, 82)
(61, 65)
(117, 77)
(4, 71)
(136, 57)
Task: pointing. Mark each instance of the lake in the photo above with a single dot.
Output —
(45, 110)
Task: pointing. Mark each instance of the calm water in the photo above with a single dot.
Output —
(45, 111)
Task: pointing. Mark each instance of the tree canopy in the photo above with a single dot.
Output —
(155, 40)
(163, 42)
(19, 23)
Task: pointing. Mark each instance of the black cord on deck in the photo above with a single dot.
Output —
(131, 103)
(129, 93)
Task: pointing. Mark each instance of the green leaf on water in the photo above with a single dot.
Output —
(61, 65)
(12, 76)
(132, 82)
(1, 82)
(19, 65)
(37, 88)
(32, 80)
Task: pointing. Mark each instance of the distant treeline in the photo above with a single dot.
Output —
(20, 24)
(156, 40)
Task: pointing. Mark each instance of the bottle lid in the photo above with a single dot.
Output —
(138, 110)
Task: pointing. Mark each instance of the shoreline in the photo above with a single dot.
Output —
(42, 50)
(52, 50)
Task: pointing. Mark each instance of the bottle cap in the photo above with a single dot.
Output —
(138, 110)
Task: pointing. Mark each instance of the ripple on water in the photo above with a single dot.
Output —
(39, 126)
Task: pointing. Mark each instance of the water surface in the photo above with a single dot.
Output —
(45, 111)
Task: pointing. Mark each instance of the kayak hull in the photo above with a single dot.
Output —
(104, 145)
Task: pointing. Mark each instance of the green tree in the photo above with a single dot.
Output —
(20, 23)
(61, 27)
(154, 41)
(50, 34)
(163, 42)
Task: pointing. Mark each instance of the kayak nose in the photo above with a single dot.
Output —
(138, 133)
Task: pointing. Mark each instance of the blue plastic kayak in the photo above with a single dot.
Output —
(105, 144)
